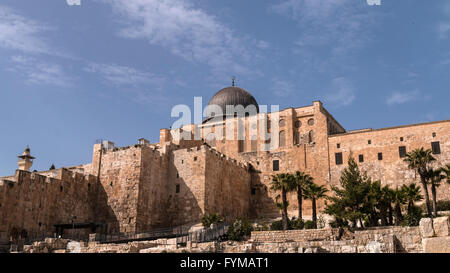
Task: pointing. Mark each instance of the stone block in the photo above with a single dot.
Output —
(441, 226)
(436, 245)
(426, 228)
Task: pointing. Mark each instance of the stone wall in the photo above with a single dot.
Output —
(33, 203)
(391, 170)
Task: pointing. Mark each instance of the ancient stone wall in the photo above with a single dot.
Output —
(33, 203)
(391, 169)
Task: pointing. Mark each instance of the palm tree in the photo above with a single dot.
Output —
(283, 182)
(302, 180)
(418, 160)
(412, 194)
(434, 177)
(446, 171)
(398, 199)
(314, 192)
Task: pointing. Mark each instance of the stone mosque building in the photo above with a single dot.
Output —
(176, 181)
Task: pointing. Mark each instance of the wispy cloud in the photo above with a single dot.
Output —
(186, 31)
(403, 97)
(22, 34)
(144, 87)
(339, 25)
(120, 75)
(40, 72)
(282, 88)
(342, 94)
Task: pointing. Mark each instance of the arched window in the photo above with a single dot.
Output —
(282, 138)
(311, 136)
(282, 122)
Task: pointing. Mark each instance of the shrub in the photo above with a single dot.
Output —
(239, 230)
(209, 219)
(296, 223)
(309, 224)
(413, 218)
(277, 225)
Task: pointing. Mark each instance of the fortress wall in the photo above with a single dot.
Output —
(34, 203)
(187, 170)
(154, 197)
(227, 186)
(120, 172)
(391, 170)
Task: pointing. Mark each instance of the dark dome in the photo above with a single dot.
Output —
(233, 95)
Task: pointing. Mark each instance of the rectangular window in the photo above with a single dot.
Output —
(436, 147)
(338, 158)
(177, 188)
(241, 146)
(276, 165)
(195, 158)
(253, 191)
(402, 151)
(380, 156)
(369, 141)
(338, 145)
(361, 158)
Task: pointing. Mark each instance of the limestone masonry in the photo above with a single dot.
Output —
(176, 181)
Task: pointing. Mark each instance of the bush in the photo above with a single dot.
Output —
(239, 230)
(309, 224)
(263, 227)
(413, 218)
(277, 225)
(209, 219)
(296, 223)
(443, 205)
(338, 222)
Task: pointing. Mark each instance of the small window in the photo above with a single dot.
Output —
(311, 121)
(89, 186)
(338, 145)
(282, 138)
(361, 158)
(402, 151)
(195, 158)
(276, 165)
(282, 122)
(182, 161)
(177, 188)
(380, 156)
(338, 158)
(60, 188)
(178, 175)
(401, 138)
(111, 184)
(434, 134)
(369, 141)
(298, 123)
(253, 191)
(436, 147)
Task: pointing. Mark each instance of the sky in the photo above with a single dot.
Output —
(113, 69)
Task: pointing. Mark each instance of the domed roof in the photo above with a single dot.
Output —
(233, 95)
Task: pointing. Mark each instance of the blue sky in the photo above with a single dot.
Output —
(113, 69)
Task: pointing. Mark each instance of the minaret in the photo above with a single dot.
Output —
(25, 160)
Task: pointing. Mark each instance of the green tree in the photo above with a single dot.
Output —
(398, 198)
(350, 201)
(446, 172)
(418, 160)
(434, 178)
(315, 192)
(283, 182)
(412, 194)
(302, 180)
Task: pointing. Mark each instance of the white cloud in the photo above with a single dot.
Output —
(39, 72)
(282, 88)
(73, 2)
(20, 33)
(403, 97)
(185, 31)
(443, 30)
(342, 94)
(123, 75)
(340, 25)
